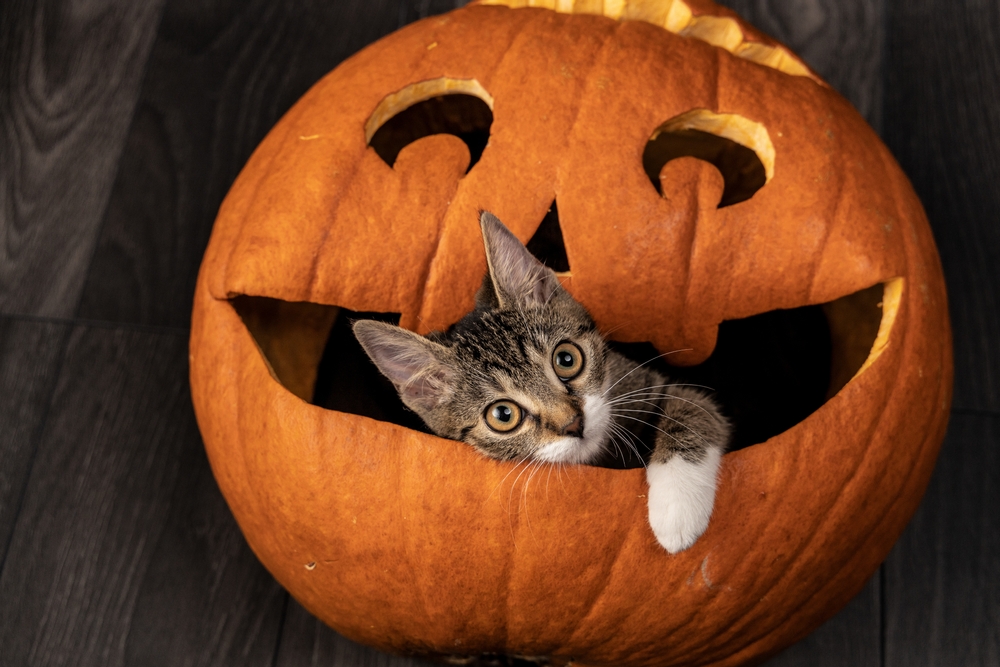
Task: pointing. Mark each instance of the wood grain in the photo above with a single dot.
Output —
(69, 79)
(29, 360)
(943, 94)
(943, 578)
(841, 39)
(124, 552)
(413, 10)
(220, 75)
(851, 638)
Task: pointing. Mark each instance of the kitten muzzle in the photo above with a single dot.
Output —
(573, 428)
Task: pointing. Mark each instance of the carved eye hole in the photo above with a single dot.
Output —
(441, 106)
(738, 147)
(567, 360)
(503, 416)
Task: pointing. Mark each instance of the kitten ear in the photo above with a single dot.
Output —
(413, 363)
(517, 276)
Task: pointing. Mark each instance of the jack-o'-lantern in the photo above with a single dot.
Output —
(697, 188)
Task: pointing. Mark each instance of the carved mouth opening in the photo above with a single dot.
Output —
(769, 372)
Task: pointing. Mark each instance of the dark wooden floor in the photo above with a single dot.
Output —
(124, 123)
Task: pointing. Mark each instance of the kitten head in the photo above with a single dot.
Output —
(521, 376)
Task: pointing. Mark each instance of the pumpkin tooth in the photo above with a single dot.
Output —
(891, 301)
(676, 16)
(775, 57)
(717, 31)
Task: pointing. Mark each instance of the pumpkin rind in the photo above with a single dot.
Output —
(419, 545)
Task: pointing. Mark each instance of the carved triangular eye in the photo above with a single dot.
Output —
(441, 106)
(547, 244)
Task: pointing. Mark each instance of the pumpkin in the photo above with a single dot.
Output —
(637, 119)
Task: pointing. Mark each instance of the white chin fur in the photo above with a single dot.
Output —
(681, 496)
(596, 416)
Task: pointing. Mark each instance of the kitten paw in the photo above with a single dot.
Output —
(681, 497)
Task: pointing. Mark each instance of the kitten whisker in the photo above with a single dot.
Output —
(513, 484)
(533, 468)
(607, 334)
(510, 524)
(659, 356)
(521, 495)
(627, 437)
(676, 421)
(643, 421)
(509, 472)
(668, 397)
(510, 495)
(614, 442)
(643, 400)
(664, 386)
(629, 441)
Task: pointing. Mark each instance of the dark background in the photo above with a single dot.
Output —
(124, 123)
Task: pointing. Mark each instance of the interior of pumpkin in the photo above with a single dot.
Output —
(769, 372)
(676, 16)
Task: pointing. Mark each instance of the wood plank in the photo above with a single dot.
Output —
(29, 360)
(220, 75)
(124, 552)
(70, 75)
(943, 94)
(852, 638)
(412, 10)
(842, 40)
(942, 580)
(306, 642)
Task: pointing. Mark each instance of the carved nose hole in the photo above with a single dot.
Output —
(547, 244)
(469, 117)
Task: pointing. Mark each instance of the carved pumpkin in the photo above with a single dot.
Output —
(701, 174)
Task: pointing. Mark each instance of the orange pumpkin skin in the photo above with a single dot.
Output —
(418, 545)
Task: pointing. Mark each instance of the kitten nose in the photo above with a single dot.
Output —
(574, 428)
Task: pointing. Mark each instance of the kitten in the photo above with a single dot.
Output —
(526, 375)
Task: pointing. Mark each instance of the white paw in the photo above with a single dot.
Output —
(681, 496)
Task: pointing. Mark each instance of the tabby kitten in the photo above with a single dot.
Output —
(526, 375)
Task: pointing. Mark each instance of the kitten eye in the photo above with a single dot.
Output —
(567, 360)
(503, 416)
